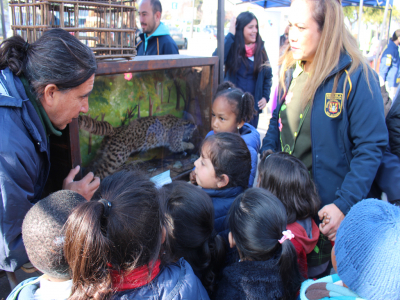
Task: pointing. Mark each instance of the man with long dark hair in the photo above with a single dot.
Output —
(43, 86)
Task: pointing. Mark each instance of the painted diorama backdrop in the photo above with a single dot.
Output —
(122, 98)
(150, 114)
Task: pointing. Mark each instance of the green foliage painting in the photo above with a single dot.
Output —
(121, 98)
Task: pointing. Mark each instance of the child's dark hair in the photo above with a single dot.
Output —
(242, 103)
(42, 232)
(256, 220)
(122, 237)
(190, 230)
(229, 155)
(287, 178)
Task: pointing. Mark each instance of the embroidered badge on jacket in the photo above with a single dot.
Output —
(333, 107)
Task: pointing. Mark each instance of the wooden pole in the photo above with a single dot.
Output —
(360, 13)
(3, 23)
(220, 38)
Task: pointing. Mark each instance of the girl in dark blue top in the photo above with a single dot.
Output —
(223, 170)
(267, 268)
(231, 109)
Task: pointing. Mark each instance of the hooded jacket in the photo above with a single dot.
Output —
(39, 288)
(326, 288)
(251, 280)
(25, 290)
(347, 144)
(263, 80)
(174, 282)
(159, 43)
(24, 166)
(252, 139)
(303, 244)
(390, 63)
(222, 200)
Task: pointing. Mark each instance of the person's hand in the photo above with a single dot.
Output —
(86, 186)
(326, 220)
(232, 26)
(262, 103)
(193, 177)
(336, 217)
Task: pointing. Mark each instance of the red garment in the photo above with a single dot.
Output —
(137, 278)
(250, 50)
(303, 244)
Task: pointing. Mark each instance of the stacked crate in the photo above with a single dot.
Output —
(108, 27)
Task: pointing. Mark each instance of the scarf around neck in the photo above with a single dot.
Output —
(250, 50)
(137, 278)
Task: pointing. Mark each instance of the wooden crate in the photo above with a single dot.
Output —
(108, 27)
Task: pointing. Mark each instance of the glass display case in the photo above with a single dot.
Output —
(149, 114)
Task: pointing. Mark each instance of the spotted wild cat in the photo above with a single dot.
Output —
(139, 135)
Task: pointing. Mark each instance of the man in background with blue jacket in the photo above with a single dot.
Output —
(390, 65)
(155, 39)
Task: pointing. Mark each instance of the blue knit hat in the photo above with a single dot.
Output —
(367, 250)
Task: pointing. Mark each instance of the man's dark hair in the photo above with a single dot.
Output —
(156, 5)
(57, 57)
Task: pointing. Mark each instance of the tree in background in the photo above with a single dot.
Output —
(371, 15)
(351, 14)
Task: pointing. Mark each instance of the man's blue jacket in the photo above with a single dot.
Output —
(390, 64)
(159, 43)
(348, 136)
(24, 166)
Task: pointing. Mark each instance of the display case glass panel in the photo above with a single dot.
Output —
(152, 121)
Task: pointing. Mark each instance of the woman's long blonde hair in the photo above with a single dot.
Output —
(335, 39)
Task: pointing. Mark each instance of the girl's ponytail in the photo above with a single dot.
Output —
(214, 249)
(87, 251)
(246, 109)
(244, 102)
(289, 270)
(226, 85)
(13, 52)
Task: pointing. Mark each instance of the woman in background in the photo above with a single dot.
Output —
(246, 61)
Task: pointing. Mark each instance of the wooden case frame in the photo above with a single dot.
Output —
(65, 150)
